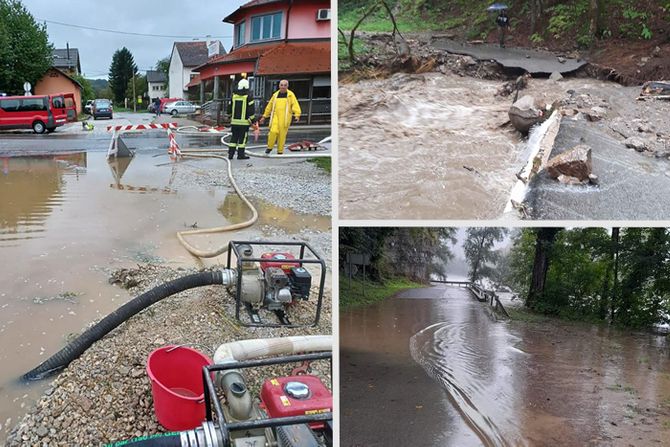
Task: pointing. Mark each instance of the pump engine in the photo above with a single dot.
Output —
(273, 281)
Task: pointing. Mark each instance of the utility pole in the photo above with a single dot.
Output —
(134, 95)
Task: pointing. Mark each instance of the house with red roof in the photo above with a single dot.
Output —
(184, 58)
(274, 40)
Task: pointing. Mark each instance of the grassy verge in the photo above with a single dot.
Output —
(364, 293)
(525, 314)
(324, 163)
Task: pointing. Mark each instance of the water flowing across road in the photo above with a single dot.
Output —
(442, 363)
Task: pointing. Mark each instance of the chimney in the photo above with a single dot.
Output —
(67, 45)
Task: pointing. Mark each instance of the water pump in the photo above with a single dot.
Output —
(293, 411)
(274, 281)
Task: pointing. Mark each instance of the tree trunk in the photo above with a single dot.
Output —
(544, 241)
(615, 279)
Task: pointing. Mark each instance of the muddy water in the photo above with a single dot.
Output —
(496, 383)
(67, 220)
(431, 147)
(424, 147)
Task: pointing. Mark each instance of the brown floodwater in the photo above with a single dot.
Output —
(68, 220)
(434, 367)
(435, 146)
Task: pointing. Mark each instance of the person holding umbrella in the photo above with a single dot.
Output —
(502, 20)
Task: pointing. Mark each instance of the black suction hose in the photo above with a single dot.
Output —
(163, 440)
(77, 347)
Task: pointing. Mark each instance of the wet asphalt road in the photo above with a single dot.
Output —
(631, 186)
(535, 62)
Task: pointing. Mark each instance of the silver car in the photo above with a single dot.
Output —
(180, 107)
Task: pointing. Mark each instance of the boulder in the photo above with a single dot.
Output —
(596, 113)
(524, 114)
(575, 162)
(568, 180)
(636, 143)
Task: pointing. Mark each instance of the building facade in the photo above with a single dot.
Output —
(274, 40)
(156, 84)
(184, 58)
(57, 81)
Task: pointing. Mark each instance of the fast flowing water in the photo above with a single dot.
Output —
(414, 147)
(68, 220)
(447, 373)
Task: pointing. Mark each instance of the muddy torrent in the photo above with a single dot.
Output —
(411, 146)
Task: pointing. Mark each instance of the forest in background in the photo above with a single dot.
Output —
(632, 37)
(619, 276)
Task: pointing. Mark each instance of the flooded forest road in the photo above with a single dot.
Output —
(433, 367)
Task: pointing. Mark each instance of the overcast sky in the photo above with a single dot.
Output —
(168, 17)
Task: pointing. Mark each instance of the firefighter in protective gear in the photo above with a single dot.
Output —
(242, 114)
(282, 107)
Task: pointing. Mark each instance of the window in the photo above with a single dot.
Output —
(240, 30)
(9, 105)
(32, 104)
(266, 27)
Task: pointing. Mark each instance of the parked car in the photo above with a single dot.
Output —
(180, 107)
(42, 113)
(165, 101)
(102, 108)
(87, 107)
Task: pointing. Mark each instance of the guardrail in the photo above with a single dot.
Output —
(488, 296)
(480, 294)
(452, 283)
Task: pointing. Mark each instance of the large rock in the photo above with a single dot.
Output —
(524, 114)
(636, 143)
(575, 162)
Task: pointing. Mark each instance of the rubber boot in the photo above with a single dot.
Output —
(241, 155)
(231, 153)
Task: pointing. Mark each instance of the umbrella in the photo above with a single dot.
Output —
(497, 7)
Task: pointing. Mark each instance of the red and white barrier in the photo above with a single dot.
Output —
(173, 149)
(141, 127)
(113, 150)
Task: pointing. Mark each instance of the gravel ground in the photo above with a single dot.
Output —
(309, 185)
(105, 395)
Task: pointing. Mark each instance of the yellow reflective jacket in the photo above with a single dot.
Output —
(292, 108)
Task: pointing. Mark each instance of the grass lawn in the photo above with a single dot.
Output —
(363, 293)
(324, 163)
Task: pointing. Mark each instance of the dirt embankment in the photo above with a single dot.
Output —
(622, 61)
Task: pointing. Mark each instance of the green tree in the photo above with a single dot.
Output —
(479, 252)
(25, 52)
(163, 65)
(87, 91)
(140, 90)
(121, 72)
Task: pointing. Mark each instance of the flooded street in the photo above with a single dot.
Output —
(438, 360)
(434, 146)
(68, 220)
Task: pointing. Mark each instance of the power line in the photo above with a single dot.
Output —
(131, 33)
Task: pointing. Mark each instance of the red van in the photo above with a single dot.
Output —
(42, 113)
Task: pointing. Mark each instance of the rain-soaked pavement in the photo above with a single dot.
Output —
(67, 219)
(433, 367)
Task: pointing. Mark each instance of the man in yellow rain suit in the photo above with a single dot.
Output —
(282, 106)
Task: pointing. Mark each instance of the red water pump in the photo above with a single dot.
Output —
(296, 396)
(274, 281)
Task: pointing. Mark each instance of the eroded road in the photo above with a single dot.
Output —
(433, 367)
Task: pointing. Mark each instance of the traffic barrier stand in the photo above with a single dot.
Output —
(121, 150)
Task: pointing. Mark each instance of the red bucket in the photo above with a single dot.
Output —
(176, 386)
